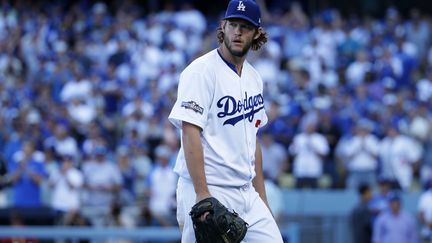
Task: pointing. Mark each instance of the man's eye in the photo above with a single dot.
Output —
(247, 27)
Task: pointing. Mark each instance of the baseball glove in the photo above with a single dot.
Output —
(219, 226)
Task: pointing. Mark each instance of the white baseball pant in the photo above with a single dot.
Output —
(244, 200)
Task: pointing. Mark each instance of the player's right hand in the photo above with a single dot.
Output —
(200, 197)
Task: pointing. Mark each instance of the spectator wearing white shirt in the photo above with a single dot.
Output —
(313, 56)
(102, 183)
(136, 115)
(308, 149)
(424, 85)
(426, 164)
(76, 88)
(162, 184)
(62, 143)
(66, 183)
(137, 105)
(399, 154)
(356, 71)
(418, 32)
(81, 111)
(362, 152)
(274, 157)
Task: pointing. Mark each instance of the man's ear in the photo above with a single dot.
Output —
(257, 33)
(222, 24)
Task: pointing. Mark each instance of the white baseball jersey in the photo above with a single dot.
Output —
(230, 109)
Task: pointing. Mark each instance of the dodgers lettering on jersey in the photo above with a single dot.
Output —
(233, 108)
(229, 109)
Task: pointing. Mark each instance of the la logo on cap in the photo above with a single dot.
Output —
(241, 6)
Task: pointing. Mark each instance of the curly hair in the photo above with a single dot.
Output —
(256, 44)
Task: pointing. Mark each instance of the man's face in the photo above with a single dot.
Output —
(368, 195)
(395, 206)
(238, 36)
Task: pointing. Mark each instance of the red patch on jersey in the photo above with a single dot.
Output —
(257, 123)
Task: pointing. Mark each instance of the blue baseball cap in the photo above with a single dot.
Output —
(394, 196)
(245, 9)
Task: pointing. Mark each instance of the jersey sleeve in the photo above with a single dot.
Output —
(194, 97)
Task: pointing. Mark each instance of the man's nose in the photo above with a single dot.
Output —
(237, 30)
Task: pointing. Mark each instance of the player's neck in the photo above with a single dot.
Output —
(234, 60)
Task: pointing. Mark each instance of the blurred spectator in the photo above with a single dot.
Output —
(395, 225)
(94, 139)
(426, 161)
(399, 154)
(102, 183)
(341, 156)
(329, 129)
(314, 55)
(66, 183)
(388, 65)
(162, 184)
(267, 64)
(418, 32)
(361, 217)
(62, 142)
(14, 141)
(296, 36)
(136, 115)
(77, 88)
(424, 208)
(129, 177)
(417, 122)
(278, 125)
(51, 161)
(137, 105)
(81, 111)
(308, 147)
(274, 157)
(357, 70)
(362, 152)
(379, 202)
(424, 86)
(142, 164)
(26, 173)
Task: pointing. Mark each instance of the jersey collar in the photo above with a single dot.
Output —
(230, 65)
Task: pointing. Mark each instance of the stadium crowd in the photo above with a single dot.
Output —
(85, 92)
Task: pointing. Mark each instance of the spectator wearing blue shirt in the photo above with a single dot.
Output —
(380, 202)
(26, 174)
(395, 225)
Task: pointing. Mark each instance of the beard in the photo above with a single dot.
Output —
(237, 53)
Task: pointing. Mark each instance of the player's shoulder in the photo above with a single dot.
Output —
(250, 68)
(204, 63)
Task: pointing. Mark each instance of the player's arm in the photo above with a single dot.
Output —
(258, 181)
(193, 152)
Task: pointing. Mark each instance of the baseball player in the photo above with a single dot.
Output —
(219, 109)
